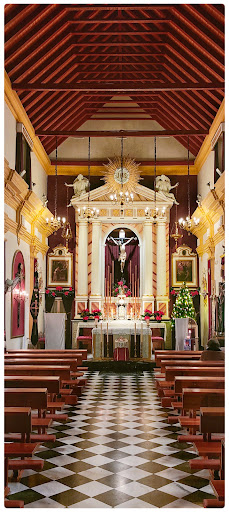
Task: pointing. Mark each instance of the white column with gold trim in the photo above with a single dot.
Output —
(82, 293)
(162, 297)
(147, 298)
(96, 262)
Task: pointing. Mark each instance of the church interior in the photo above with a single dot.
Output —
(114, 255)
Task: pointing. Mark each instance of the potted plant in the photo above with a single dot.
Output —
(147, 315)
(158, 315)
(97, 313)
(85, 315)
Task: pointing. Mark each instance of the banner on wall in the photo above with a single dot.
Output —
(18, 297)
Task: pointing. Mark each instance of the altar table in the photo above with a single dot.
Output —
(105, 335)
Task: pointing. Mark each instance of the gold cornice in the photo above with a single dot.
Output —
(25, 202)
(20, 115)
(206, 148)
(96, 170)
(33, 241)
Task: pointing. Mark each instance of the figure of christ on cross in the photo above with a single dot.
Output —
(122, 252)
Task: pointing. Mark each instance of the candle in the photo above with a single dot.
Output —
(112, 272)
(130, 275)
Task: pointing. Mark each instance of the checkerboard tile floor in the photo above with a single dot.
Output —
(115, 451)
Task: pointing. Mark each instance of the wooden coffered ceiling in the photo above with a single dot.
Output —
(67, 62)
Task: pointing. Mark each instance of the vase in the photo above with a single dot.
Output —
(96, 321)
(147, 321)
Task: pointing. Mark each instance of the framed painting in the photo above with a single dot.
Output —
(184, 267)
(60, 268)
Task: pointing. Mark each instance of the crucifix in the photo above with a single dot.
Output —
(122, 252)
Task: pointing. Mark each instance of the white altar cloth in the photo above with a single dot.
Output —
(122, 327)
(55, 331)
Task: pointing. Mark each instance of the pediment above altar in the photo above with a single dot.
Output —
(141, 194)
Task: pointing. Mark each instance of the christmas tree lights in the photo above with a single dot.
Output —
(183, 307)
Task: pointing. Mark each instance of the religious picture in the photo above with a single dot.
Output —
(60, 267)
(184, 271)
(184, 267)
(59, 271)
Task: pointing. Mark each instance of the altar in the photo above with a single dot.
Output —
(107, 336)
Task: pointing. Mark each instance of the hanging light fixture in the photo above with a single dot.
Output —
(188, 223)
(121, 177)
(67, 231)
(56, 222)
(175, 234)
(88, 212)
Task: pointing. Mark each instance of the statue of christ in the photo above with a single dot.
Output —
(122, 252)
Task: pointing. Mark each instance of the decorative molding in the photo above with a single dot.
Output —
(22, 129)
(20, 115)
(206, 147)
(220, 129)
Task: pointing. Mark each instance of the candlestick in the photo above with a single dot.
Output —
(135, 340)
(130, 277)
(101, 339)
(141, 345)
(113, 272)
(107, 342)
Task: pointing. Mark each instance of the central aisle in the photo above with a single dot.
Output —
(116, 450)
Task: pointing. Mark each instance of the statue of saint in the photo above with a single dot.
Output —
(80, 185)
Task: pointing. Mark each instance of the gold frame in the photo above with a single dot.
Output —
(65, 256)
(185, 254)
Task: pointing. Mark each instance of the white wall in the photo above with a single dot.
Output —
(41, 268)
(9, 136)
(205, 175)
(39, 177)
(219, 251)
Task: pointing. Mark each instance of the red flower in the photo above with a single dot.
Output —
(158, 317)
(97, 317)
(173, 292)
(85, 317)
(87, 310)
(147, 317)
(120, 283)
(70, 289)
(66, 293)
(47, 291)
(125, 286)
(53, 294)
(116, 289)
(59, 288)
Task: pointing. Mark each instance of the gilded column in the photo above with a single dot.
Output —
(147, 260)
(96, 259)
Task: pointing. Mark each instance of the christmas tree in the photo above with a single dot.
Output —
(183, 306)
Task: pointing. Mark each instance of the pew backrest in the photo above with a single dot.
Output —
(18, 397)
(193, 399)
(212, 420)
(198, 382)
(34, 381)
(171, 373)
(17, 420)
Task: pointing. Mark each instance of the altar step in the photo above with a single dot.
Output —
(120, 366)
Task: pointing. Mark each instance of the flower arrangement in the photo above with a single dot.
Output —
(59, 291)
(120, 288)
(193, 293)
(156, 315)
(85, 314)
(97, 313)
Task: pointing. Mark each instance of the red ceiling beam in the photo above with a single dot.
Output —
(147, 163)
(39, 86)
(119, 32)
(120, 133)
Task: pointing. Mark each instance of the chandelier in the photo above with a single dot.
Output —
(175, 234)
(55, 222)
(188, 223)
(67, 231)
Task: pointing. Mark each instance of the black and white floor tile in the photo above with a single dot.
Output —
(115, 451)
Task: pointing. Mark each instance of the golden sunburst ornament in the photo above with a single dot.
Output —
(122, 177)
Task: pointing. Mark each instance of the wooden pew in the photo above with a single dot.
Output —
(190, 382)
(53, 352)
(189, 363)
(18, 420)
(195, 371)
(190, 356)
(61, 371)
(37, 399)
(72, 363)
(34, 381)
(174, 352)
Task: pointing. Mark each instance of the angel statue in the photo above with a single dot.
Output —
(80, 185)
(163, 184)
(122, 252)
